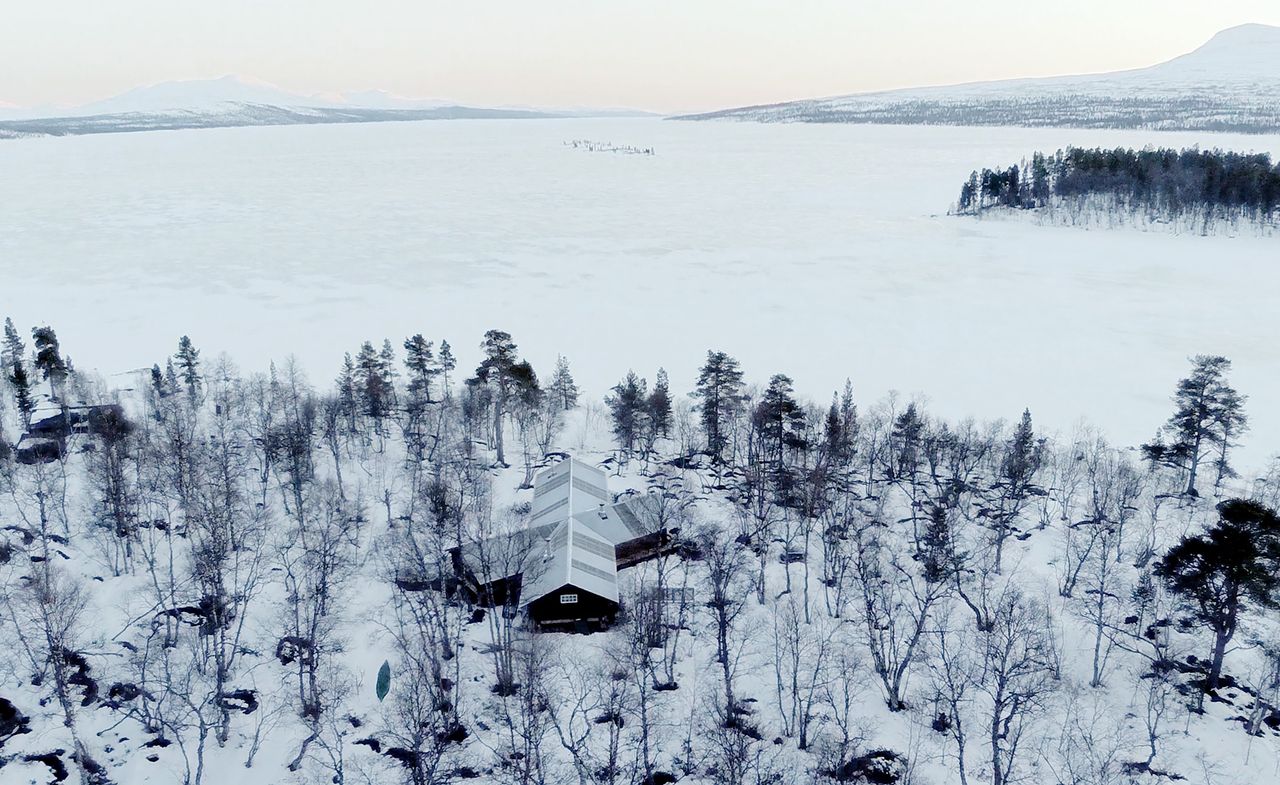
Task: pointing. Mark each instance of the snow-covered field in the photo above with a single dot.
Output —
(824, 252)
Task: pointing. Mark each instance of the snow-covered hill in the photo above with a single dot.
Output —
(198, 95)
(232, 101)
(1232, 82)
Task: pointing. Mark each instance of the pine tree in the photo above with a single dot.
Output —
(660, 406)
(562, 385)
(447, 364)
(1221, 572)
(420, 367)
(629, 411)
(1208, 414)
(936, 547)
(719, 387)
(189, 366)
(511, 381)
(48, 357)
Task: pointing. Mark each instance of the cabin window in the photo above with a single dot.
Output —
(568, 599)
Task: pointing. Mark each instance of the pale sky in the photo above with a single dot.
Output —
(661, 55)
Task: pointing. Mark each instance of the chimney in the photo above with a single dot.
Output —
(603, 515)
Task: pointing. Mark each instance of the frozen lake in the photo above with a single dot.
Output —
(820, 251)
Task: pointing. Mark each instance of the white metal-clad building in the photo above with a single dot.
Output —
(566, 489)
(576, 541)
(574, 555)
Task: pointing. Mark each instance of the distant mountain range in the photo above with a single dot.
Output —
(1231, 83)
(237, 101)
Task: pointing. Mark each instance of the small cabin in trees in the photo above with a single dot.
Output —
(53, 420)
(562, 570)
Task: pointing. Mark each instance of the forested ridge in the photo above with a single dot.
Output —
(220, 575)
(1154, 184)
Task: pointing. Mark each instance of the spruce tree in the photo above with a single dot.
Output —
(188, 358)
(779, 420)
(840, 429)
(372, 384)
(1022, 457)
(170, 375)
(628, 411)
(13, 350)
(1208, 415)
(562, 385)
(157, 381)
(387, 364)
(660, 406)
(22, 392)
(719, 388)
(348, 391)
(906, 438)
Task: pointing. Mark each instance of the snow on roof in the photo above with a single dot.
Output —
(568, 488)
(573, 528)
(571, 554)
(624, 521)
(503, 552)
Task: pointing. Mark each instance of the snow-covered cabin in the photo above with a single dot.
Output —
(53, 419)
(571, 580)
(564, 565)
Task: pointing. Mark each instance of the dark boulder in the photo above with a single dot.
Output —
(408, 758)
(244, 701)
(371, 743)
(54, 761)
(12, 722)
(80, 675)
(877, 767)
(292, 648)
(121, 692)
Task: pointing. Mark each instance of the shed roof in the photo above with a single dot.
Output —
(627, 520)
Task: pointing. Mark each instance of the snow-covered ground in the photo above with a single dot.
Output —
(824, 252)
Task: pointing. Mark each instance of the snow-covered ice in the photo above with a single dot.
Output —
(824, 252)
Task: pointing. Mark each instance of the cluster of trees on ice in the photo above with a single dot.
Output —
(858, 593)
(1190, 188)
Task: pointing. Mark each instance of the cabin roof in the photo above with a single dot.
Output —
(568, 488)
(627, 520)
(573, 554)
(572, 537)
